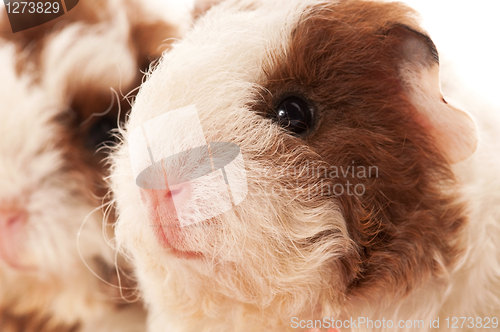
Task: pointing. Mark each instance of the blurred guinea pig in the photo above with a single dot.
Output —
(363, 192)
(50, 184)
(57, 113)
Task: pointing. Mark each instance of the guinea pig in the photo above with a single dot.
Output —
(293, 162)
(57, 272)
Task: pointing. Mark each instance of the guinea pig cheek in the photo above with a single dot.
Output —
(13, 224)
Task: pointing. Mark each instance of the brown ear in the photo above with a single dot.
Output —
(453, 129)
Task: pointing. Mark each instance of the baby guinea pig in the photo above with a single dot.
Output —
(359, 191)
(56, 113)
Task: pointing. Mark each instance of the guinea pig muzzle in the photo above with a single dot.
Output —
(182, 179)
(164, 219)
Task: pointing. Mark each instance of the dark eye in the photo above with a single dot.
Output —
(295, 114)
(100, 132)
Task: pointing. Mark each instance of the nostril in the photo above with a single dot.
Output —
(177, 190)
(15, 219)
(12, 217)
(173, 196)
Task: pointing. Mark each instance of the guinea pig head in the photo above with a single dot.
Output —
(347, 146)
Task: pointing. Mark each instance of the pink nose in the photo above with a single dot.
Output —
(12, 223)
(163, 204)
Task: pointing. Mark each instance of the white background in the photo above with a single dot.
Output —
(467, 32)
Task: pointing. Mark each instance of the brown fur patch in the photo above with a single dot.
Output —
(151, 39)
(344, 60)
